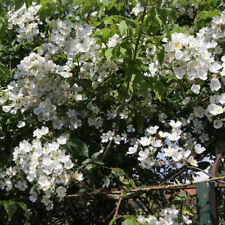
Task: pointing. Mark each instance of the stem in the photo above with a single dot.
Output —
(140, 33)
(118, 205)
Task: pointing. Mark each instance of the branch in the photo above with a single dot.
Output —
(118, 205)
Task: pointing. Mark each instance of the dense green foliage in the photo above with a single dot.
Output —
(102, 98)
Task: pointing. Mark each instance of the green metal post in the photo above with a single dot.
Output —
(206, 204)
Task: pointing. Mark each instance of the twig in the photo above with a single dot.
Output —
(115, 192)
(118, 205)
(196, 168)
(174, 174)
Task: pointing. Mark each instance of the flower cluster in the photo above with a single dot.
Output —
(45, 166)
(26, 21)
(40, 86)
(190, 56)
(167, 216)
(177, 147)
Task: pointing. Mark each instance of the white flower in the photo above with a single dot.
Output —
(33, 196)
(177, 155)
(21, 124)
(174, 136)
(113, 41)
(143, 155)
(78, 176)
(61, 191)
(62, 140)
(221, 99)
(68, 164)
(187, 153)
(137, 9)
(217, 124)
(215, 67)
(195, 88)
(215, 85)
(199, 111)
(132, 150)
(186, 100)
(152, 130)
(163, 134)
(192, 161)
(199, 149)
(174, 124)
(168, 151)
(145, 141)
(44, 183)
(215, 109)
(147, 163)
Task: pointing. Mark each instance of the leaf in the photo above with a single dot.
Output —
(181, 197)
(108, 53)
(99, 162)
(122, 51)
(220, 146)
(19, 4)
(10, 207)
(48, 9)
(182, 2)
(111, 4)
(86, 161)
(28, 3)
(203, 165)
(132, 23)
(77, 145)
(123, 27)
(114, 219)
(130, 222)
(106, 181)
(96, 154)
(160, 55)
(159, 90)
(175, 2)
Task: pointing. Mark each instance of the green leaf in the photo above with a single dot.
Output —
(23, 206)
(106, 181)
(99, 162)
(123, 27)
(130, 222)
(78, 146)
(114, 219)
(28, 3)
(10, 207)
(160, 55)
(48, 9)
(111, 4)
(19, 4)
(220, 146)
(132, 23)
(122, 51)
(203, 165)
(175, 2)
(181, 197)
(96, 154)
(182, 2)
(86, 161)
(108, 53)
(159, 90)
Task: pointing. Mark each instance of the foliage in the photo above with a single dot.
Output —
(102, 98)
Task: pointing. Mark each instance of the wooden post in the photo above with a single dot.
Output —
(206, 200)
